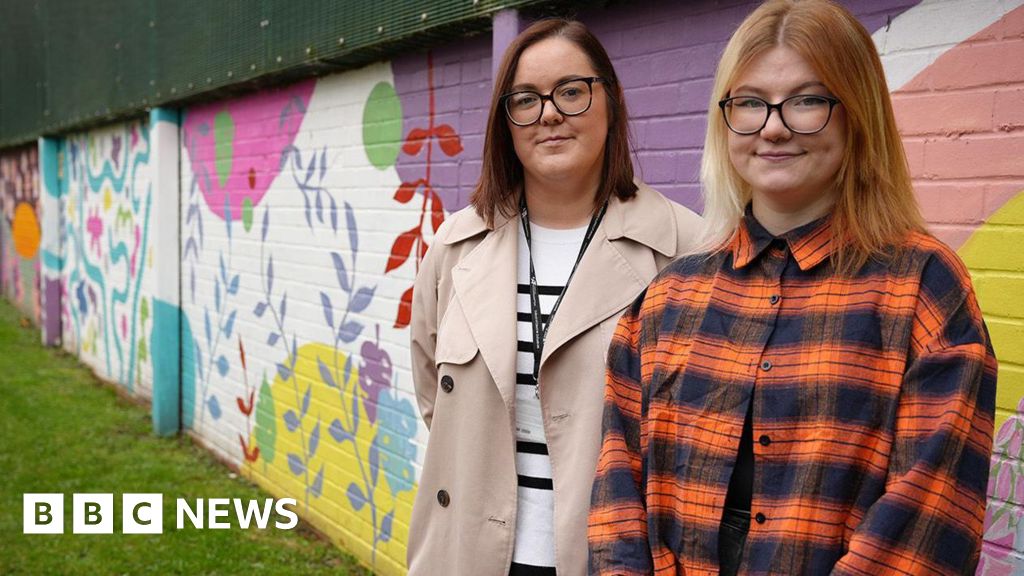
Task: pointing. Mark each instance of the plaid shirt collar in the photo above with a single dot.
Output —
(810, 244)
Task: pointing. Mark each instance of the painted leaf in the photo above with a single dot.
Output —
(199, 358)
(323, 163)
(355, 497)
(347, 372)
(337, 431)
(318, 483)
(284, 306)
(223, 270)
(349, 331)
(386, 525)
(414, 141)
(229, 326)
(334, 215)
(206, 322)
(242, 407)
(266, 422)
(305, 400)
(353, 232)
(436, 211)
(283, 371)
(241, 354)
(291, 420)
(266, 224)
(222, 366)
(296, 465)
(314, 439)
(361, 299)
(406, 192)
(270, 274)
(325, 373)
(449, 141)
(312, 167)
(260, 309)
(216, 294)
(355, 412)
(319, 204)
(214, 405)
(404, 309)
(272, 338)
(401, 248)
(325, 303)
(339, 269)
(233, 287)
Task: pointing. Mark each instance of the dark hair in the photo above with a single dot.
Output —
(502, 173)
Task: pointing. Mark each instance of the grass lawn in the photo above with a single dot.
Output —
(61, 430)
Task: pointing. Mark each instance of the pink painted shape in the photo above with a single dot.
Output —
(135, 252)
(94, 226)
(124, 326)
(261, 134)
(966, 164)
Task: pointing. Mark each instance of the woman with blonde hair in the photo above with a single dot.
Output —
(813, 390)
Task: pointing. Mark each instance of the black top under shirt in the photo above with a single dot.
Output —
(741, 486)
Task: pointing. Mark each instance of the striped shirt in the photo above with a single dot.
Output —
(873, 400)
(554, 253)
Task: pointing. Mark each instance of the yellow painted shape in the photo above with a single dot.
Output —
(995, 256)
(107, 199)
(25, 230)
(332, 512)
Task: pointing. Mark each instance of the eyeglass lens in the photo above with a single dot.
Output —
(800, 113)
(570, 98)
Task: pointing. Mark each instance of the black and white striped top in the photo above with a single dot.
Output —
(554, 253)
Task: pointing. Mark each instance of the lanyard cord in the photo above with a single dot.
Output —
(540, 328)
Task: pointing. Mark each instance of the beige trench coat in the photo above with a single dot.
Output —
(464, 365)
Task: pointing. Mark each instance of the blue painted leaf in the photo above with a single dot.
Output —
(318, 483)
(222, 366)
(362, 299)
(284, 306)
(199, 226)
(223, 270)
(266, 220)
(216, 294)
(312, 167)
(295, 357)
(229, 326)
(355, 410)
(214, 407)
(337, 431)
(386, 525)
(272, 338)
(203, 128)
(209, 330)
(349, 331)
(314, 439)
(319, 206)
(339, 268)
(283, 371)
(227, 215)
(325, 303)
(374, 461)
(355, 497)
(325, 373)
(270, 274)
(347, 370)
(291, 420)
(305, 400)
(233, 287)
(296, 465)
(260, 309)
(353, 234)
(199, 359)
(334, 215)
(286, 152)
(323, 163)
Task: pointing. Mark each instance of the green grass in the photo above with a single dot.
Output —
(62, 430)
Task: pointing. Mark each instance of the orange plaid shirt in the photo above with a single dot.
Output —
(873, 400)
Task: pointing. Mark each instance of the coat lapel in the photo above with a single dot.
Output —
(485, 284)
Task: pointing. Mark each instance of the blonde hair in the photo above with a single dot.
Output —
(875, 205)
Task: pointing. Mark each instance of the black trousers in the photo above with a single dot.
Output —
(732, 537)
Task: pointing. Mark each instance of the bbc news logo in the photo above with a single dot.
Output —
(144, 513)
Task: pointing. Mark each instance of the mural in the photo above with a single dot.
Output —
(107, 307)
(20, 230)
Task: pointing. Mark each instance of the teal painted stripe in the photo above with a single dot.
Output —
(164, 115)
(52, 261)
(49, 150)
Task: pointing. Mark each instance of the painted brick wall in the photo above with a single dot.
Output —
(304, 210)
(20, 230)
(106, 252)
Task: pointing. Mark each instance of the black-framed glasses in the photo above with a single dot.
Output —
(571, 98)
(802, 113)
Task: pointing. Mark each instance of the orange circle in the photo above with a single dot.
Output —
(25, 229)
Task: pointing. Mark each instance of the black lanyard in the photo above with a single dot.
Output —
(540, 328)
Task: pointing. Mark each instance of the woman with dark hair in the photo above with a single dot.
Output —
(514, 307)
(812, 391)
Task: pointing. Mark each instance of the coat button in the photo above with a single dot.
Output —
(760, 518)
(774, 299)
(766, 365)
(764, 440)
(443, 499)
(447, 383)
